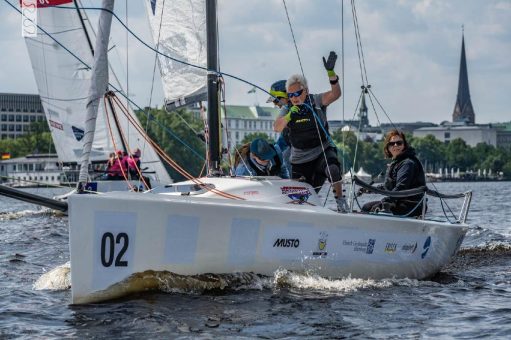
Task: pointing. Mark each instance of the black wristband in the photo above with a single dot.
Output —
(333, 82)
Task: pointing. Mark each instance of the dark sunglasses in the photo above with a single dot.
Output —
(295, 94)
(278, 100)
(397, 143)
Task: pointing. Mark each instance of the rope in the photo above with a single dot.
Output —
(125, 111)
(115, 144)
(293, 35)
(173, 164)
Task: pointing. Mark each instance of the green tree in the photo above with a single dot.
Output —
(177, 134)
(430, 151)
(38, 140)
(459, 154)
(251, 136)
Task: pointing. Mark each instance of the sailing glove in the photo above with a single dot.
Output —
(330, 63)
(342, 205)
(294, 109)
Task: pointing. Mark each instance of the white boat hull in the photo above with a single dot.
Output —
(115, 235)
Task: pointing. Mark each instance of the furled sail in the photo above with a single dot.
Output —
(63, 74)
(179, 31)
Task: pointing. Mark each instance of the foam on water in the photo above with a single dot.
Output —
(284, 278)
(13, 215)
(58, 278)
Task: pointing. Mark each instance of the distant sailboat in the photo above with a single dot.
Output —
(63, 74)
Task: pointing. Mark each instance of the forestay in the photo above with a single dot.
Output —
(179, 31)
(63, 73)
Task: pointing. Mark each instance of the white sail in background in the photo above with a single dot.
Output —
(179, 31)
(63, 80)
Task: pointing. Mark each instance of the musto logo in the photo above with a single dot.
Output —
(426, 247)
(286, 243)
(297, 194)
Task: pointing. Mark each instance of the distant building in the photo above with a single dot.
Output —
(463, 119)
(360, 127)
(503, 134)
(17, 111)
(463, 110)
(406, 127)
(244, 120)
(32, 170)
(471, 134)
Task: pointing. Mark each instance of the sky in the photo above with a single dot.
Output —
(411, 52)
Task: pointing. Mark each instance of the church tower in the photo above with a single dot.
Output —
(463, 110)
(362, 112)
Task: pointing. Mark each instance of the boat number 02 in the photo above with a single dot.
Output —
(110, 246)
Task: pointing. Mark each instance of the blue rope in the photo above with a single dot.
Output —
(320, 123)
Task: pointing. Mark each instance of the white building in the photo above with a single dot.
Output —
(471, 134)
(17, 111)
(32, 170)
(244, 120)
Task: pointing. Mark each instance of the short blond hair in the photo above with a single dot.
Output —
(296, 79)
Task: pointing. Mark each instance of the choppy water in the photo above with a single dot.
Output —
(468, 299)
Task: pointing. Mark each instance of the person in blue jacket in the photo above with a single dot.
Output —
(261, 159)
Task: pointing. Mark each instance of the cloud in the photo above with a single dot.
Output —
(411, 51)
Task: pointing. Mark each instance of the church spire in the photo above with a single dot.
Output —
(463, 110)
(363, 112)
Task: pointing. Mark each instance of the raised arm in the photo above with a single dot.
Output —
(335, 92)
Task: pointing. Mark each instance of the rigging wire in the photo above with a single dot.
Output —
(293, 36)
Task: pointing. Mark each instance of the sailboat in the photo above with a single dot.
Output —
(62, 56)
(223, 225)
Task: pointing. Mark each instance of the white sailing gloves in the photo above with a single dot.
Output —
(342, 205)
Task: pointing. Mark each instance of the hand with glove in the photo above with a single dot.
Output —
(293, 110)
(330, 63)
(342, 205)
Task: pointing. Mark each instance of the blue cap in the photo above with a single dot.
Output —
(262, 149)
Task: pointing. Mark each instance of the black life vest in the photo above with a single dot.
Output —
(303, 132)
(273, 171)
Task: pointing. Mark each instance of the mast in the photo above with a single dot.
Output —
(98, 86)
(108, 99)
(213, 88)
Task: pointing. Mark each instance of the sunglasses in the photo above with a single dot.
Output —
(396, 143)
(295, 94)
(278, 100)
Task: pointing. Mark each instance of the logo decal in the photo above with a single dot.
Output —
(78, 133)
(409, 247)
(390, 247)
(321, 245)
(286, 243)
(56, 125)
(426, 247)
(365, 247)
(299, 195)
(370, 246)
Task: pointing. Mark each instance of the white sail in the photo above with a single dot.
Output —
(63, 73)
(179, 31)
(99, 85)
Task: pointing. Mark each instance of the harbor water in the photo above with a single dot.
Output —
(470, 298)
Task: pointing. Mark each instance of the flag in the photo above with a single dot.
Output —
(6, 155)
(253, 90)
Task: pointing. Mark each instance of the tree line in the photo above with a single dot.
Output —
(180, 135)
(37, 141)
